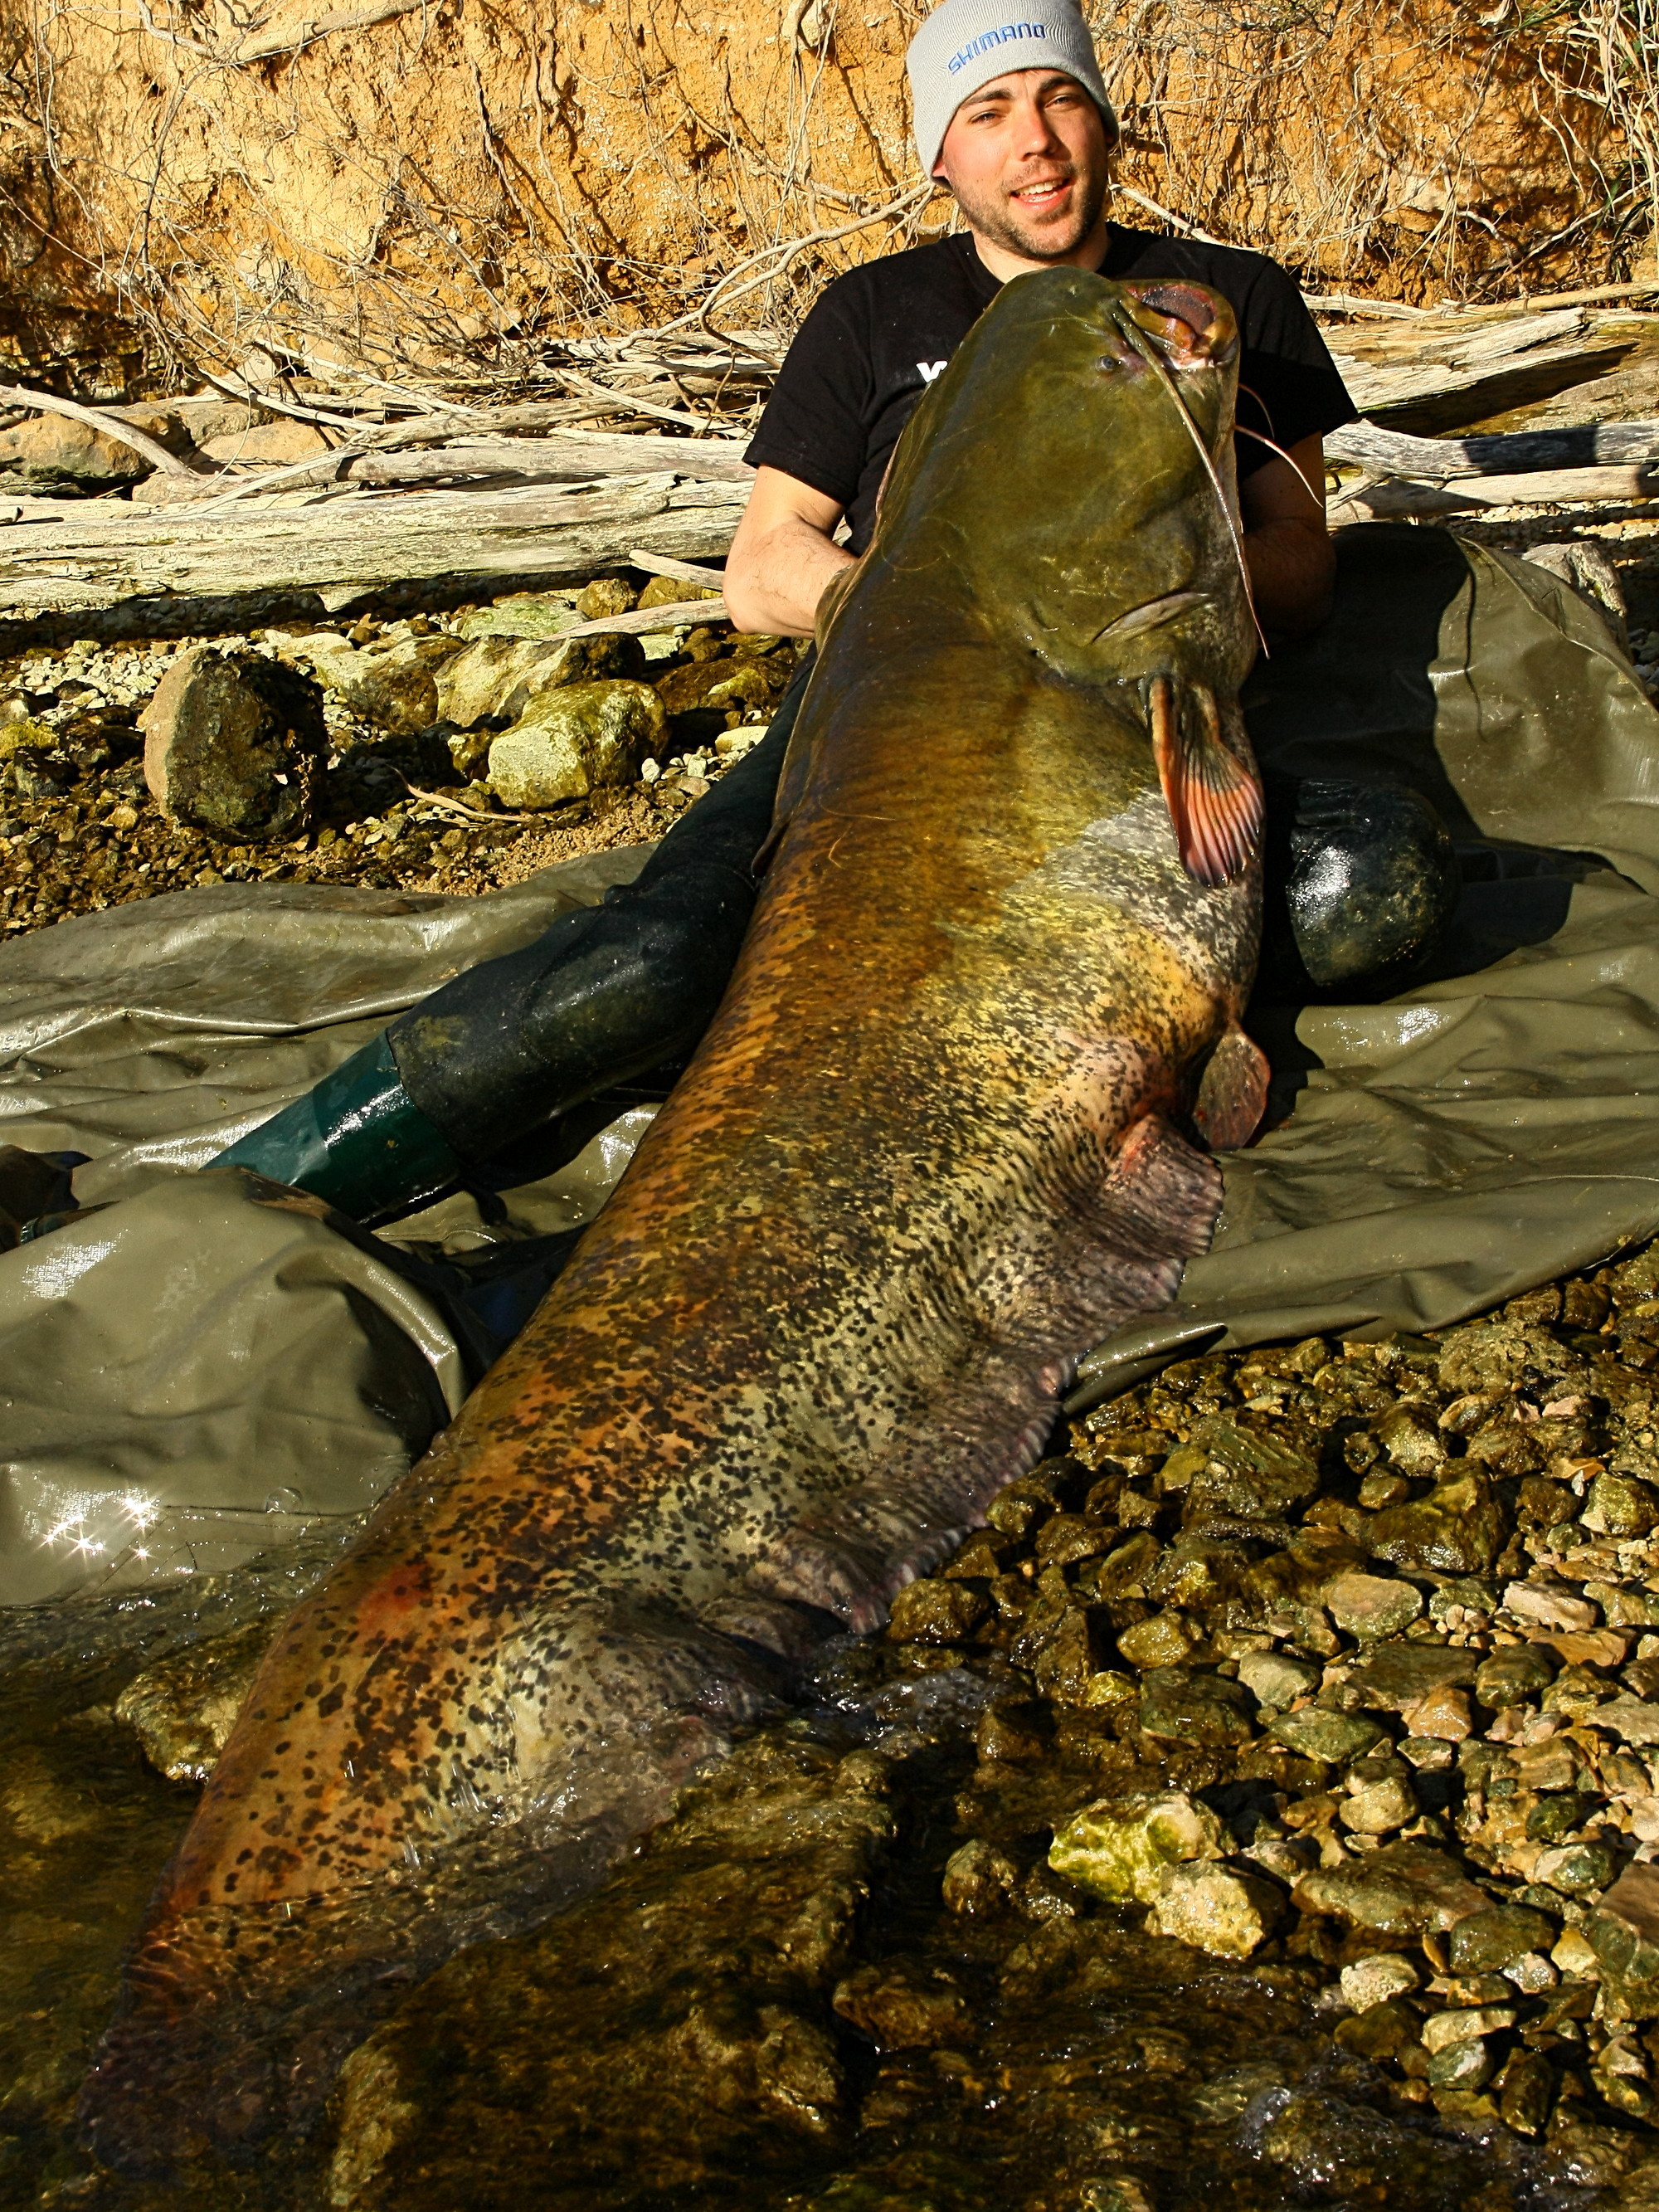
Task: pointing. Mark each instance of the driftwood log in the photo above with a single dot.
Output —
(1514, 453)
(1393, 500)
(102, 573)
(1424, 378)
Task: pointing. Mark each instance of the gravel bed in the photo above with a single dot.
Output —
(79, 830)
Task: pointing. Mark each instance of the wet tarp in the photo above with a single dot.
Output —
(205, 1365)
(1476, 1135)
(199, 1366)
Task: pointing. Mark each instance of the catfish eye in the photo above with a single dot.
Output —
(1109, 365)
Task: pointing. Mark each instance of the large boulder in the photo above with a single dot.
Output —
(54, 449)
(575, 739)
(234, 744)
(268, 445)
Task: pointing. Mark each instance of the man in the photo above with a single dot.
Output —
(1014, 117)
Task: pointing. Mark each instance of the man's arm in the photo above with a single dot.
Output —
(783, 556)
(1287, 547)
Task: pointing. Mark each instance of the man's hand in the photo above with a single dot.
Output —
(1287, 547)
(782, 557)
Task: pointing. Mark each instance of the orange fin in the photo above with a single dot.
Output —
(1214, 799)
(1233, 1095)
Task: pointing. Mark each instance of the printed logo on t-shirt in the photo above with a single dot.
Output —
(930, 369)
(986, 39)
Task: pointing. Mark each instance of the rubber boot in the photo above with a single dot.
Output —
(507, 1047)
(1362, 881)
(358, 1140)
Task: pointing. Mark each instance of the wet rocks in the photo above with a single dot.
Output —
(1492, 1938)
(701, 2048)
(1182, 1705)
(1369, 1608)
(1277, 1679)
(1216, 1909)
(1331, 1737)
(906, 2006)
(1459, 1528)
(576, 739)
(1121, 1849)
(1373, 1980)
(1402, 1889)
(1622, 1505)
(1377, 1807)
(183, 1708)
(234, 744)
(937, 1611)
(978, 1878)
(1239, 1469)
(1398, 1677)
(1624, 1934)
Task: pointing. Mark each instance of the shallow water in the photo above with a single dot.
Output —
(779, 2002)
(709, 2027)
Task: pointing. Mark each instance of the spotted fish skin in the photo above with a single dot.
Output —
(939, 1141)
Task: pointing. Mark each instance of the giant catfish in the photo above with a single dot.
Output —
(944, 1134)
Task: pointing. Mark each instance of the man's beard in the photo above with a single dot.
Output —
(995, 216)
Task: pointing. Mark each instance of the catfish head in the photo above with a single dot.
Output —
(1067, 490)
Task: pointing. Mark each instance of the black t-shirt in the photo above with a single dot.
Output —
(880, 334)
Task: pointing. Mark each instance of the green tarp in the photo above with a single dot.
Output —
(202, 1367)
(1479, 1135)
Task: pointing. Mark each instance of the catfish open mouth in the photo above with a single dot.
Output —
(1183, 322)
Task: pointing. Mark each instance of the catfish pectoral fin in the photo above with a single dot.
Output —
(1214, 800)
(1233, 1095)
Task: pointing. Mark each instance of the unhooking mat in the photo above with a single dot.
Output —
(202, 1368)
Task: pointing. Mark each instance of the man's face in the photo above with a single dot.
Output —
(1027, 158)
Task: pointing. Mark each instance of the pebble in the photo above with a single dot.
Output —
(1373, 1980)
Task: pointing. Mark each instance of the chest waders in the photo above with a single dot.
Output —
(1358, 879)
(509, 1046)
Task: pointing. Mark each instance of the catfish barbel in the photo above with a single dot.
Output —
(942, 1137)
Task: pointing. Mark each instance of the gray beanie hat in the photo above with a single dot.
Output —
(965, 43)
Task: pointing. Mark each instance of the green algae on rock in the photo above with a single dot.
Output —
(1122, 1848)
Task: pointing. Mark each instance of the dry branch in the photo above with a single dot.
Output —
(682, 572)
(641, 621)
(123, 434)
(322, 27)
